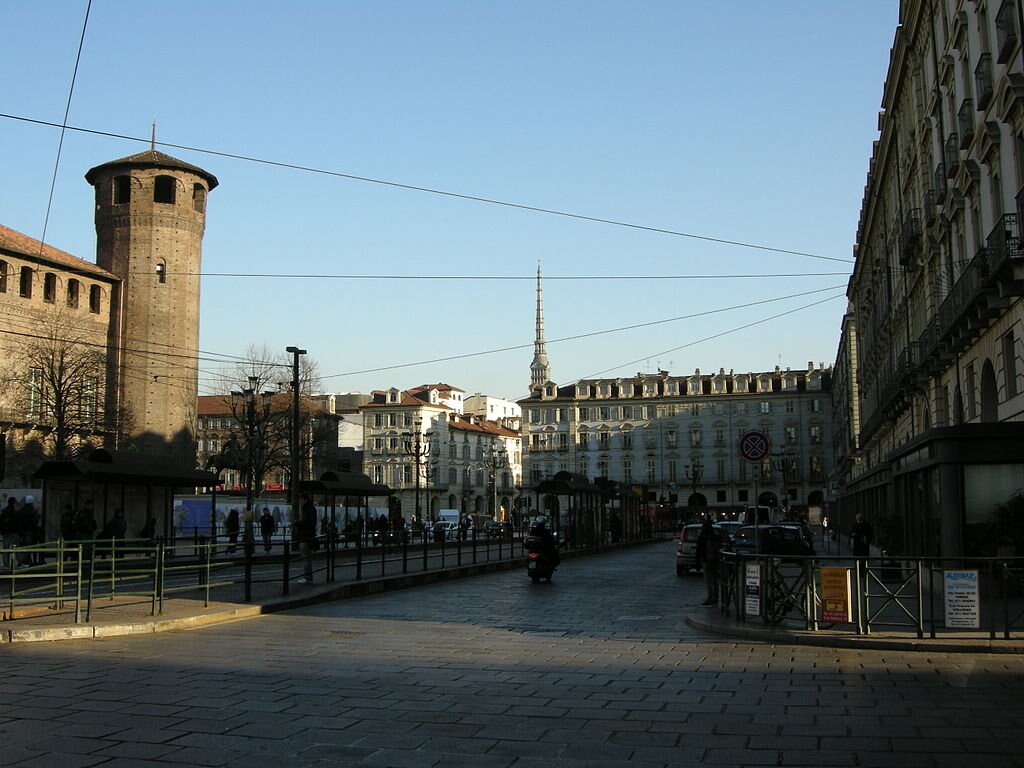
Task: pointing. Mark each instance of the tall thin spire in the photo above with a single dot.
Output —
(152, 140)
(540, 370)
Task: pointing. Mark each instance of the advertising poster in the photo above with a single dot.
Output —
(836, 602)
(752, 589)
(962, 599)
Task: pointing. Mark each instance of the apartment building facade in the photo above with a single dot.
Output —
(936, 291)
(675, 440)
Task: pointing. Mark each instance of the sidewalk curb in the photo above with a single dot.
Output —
(857, 642)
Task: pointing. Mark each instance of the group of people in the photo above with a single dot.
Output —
(20, 526)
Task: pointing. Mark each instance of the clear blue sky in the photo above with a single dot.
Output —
(747, 121)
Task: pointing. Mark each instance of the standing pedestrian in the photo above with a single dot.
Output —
(306, 536)
(26, 521)
(861, 537)
(709, 546)
(267, 528)
(8, 529)
(231, 529)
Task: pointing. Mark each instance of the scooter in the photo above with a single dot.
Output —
(538, 564)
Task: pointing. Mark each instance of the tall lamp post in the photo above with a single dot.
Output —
(296, 471)
(245, 402)
(783, 463)
(694, 472)
(416, 449)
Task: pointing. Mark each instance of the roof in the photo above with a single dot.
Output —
(151, 158)
(128, 467)
(487, 427)
(220, 405)
(344, 484)
(28, 247)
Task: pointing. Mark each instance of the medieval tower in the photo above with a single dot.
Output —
(150, 219)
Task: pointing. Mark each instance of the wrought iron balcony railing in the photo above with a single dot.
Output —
(965, 121)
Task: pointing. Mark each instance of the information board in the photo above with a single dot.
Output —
(752, 589)
(962, 599)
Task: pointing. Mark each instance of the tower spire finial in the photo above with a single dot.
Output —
(152, 140)
(540, 370)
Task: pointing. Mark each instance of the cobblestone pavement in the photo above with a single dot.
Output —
(596, 669)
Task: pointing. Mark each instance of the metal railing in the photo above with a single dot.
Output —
(82, 577)
(894, 595)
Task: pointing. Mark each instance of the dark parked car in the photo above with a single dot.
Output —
(777, 540)
(495, 529)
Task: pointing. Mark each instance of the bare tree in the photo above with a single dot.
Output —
(59, 388)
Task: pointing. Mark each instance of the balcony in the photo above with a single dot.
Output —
(983, 81)
(910, 237)
(965, 121)
(1006, 30)
(940, 183)
(951, 155)
(929, 207)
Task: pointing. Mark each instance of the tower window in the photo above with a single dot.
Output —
(122, 190)
(161, 272)
(163, 189)
(73, 290)
(94, 299)
(49, 287)
(25, 288)
(3, 276)
(199, 198)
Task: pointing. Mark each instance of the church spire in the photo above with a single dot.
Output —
(540, 371)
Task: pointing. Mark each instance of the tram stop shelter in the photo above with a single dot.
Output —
(141, 484)
(578, 518)
(349, 487)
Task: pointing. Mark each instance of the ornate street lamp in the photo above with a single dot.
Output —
(694, 473)
(254, 421)
(417, 450)
(784, 462)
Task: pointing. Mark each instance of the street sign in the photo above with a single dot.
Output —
(754, 445)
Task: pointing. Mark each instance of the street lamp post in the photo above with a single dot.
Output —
(253, 423)
(783, 462)
(694, 472)
(416, 449)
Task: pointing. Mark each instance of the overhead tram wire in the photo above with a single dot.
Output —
(438, 192)
(532, 277)
(64, 126)
(716, 335)
(591, 334)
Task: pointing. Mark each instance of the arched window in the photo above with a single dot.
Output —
(74, 288)
(161, 272)
(25, 287)
(199, 198)
(3, 276)
(50, 287)
(122, 190)
(94, 299)
(164, 188)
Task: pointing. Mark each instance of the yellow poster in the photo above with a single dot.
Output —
(835, 595)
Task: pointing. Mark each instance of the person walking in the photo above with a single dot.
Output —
(267, 528)
(306, 532)
(709, 546)
(861, 537)
(231, 529)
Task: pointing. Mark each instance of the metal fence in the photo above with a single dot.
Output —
(81, 577)
(923, 596)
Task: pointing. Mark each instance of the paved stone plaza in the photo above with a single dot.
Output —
(597, 669)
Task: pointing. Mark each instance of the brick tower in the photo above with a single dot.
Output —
(150, 219)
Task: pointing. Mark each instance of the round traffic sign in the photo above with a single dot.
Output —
(754, 445)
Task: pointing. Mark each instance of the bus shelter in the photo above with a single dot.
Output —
(354, 490)
(142, 485)
(573, 503)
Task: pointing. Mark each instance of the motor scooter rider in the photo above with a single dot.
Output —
(549, 547)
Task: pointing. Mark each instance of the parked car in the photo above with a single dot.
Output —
(686, 547)
(730, 527)
(445, 530)
(779, 540)
(496, 529)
